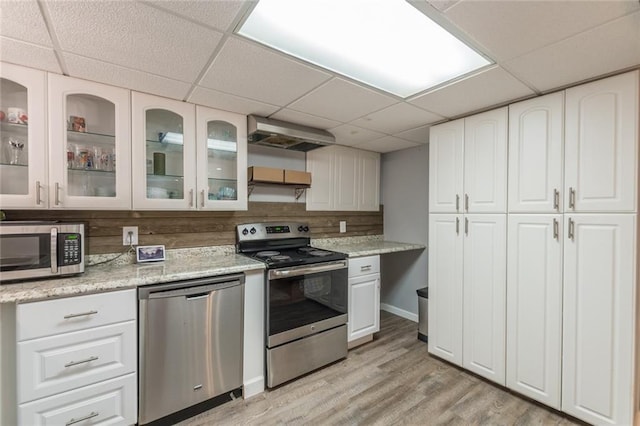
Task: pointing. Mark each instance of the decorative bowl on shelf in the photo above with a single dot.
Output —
(155, 192)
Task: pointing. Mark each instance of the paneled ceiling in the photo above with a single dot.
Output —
(187, 50)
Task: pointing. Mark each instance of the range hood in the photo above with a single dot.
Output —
(280, 134)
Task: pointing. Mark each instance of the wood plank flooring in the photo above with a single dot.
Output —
(390, 381)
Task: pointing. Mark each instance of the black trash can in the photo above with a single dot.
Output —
(423, 313)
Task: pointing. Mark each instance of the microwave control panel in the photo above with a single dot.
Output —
(69, 249)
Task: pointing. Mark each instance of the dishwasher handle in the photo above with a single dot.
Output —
(194, 287)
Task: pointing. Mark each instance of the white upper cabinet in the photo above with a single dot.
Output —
(484, 277)
(164, 153)
(601, 145)
(23, 153)
(445, 287)
(485, 162)
(344, 179)
(536, 135)
(599, 317)
(90, 145)
(221, 159)
(534, 306)
(446, 159)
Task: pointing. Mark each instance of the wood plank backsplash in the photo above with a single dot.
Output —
(181, 229)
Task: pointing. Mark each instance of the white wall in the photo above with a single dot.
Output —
(404, 194)
(278, 158)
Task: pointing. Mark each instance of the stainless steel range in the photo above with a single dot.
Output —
(306, 298)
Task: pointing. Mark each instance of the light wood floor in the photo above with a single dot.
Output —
(389, 381)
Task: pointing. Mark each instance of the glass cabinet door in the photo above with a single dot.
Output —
(23, 146)
(163, 153)
(222, 161)
(89, 161)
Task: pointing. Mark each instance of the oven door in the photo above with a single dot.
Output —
(305, 300)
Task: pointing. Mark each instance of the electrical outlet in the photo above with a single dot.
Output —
(125, 235)
(343, 226)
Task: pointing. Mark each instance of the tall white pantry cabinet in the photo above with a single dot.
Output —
(571, 246)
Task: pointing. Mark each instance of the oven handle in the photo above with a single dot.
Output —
(305, 270)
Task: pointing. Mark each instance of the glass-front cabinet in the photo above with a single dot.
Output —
(222, 159)
(89, 137)
(164, 154)
(23, 143)
(187, 156)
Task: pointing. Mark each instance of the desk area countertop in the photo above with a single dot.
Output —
(357, 247)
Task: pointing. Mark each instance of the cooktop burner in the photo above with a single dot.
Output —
(267, 253)
(295, 256)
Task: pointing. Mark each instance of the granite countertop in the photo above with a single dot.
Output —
(113, 277)
(357, 247)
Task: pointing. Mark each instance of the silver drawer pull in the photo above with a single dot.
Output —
(84, 361)
(365, 268)
(81, 419)
(80, 315)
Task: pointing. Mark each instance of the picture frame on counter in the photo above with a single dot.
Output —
(150, 253)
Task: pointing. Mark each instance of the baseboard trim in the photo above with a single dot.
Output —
(253, 387)
(399, 312)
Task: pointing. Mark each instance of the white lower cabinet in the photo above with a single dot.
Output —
(364, 297)
(80, 367)
(534, 306)
(599, 317)
(484, 279)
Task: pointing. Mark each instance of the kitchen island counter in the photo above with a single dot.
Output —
(101, 278)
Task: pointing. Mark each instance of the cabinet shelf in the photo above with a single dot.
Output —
(89, 138)
(97, 171)
(15, 128)
(14, 165)
(298, 188)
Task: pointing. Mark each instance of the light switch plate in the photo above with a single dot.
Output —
(343, 226)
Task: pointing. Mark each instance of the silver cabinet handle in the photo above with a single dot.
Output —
(555, 229)
(38, 199)
(457, 226)
(571, 232)
(54, 250)
(466, 202)
(466, 226)
(81, 419)
(457, 202)
(83, 314)
(365, 268)
(57, 194)
(191, 197)
(556, 199)
(84, 361)
(572, 198)
(202, 198)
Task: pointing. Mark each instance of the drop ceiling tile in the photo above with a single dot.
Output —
(342, 101)
(305, 119)
(29, 55)
(135, 36)
(115, 75)
(349, 135)
(419, 135)
(23, 21)
(603, 50)
(254, 72)
(397, 118)
(219, 14)
(386, 144)
(226, 102)
(490, 87)
(509, 29)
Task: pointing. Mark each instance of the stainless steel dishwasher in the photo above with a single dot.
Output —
(190, 345)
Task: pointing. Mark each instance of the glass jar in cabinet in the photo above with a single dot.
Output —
(221, 159)
(164, 152)
(90, 142)
(23, 146)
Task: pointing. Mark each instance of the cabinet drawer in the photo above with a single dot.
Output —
(364, 266)
(55, 364)
(39, 319)
(110, 402)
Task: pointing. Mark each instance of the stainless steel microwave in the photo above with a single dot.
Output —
(40, 249)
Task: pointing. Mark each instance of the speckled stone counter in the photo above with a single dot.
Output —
(364, 246)
(119, 276)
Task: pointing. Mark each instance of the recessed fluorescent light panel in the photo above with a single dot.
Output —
(388, 44)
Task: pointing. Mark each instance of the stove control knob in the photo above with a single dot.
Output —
(305, 229)
(300, 228)
(245, 231)
(253, 231)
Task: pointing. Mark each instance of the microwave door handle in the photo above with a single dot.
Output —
(54, 250)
